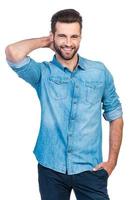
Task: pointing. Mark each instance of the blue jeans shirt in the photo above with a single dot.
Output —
(70, 135)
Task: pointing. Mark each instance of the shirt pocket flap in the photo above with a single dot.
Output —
(58, 80)
(94, 84)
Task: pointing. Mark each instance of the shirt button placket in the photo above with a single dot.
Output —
(71, 128)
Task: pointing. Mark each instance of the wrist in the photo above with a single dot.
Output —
(112, 162)
(45, 42)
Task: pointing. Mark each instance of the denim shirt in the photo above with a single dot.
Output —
(70, 135)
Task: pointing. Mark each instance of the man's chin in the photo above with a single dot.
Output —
(68, 57)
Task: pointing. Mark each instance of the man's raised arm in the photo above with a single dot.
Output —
(18, 51)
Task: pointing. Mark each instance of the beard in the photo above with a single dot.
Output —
(66, 55)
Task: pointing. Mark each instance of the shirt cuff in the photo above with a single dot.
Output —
(20, 64)
(115, 114)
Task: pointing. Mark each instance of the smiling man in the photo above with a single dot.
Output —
(66, 40)
(72, 91)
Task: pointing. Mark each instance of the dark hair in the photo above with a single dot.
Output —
(66, 16)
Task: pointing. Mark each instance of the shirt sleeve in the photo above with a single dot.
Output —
(27, 69)
(111, 103)
(21, 63)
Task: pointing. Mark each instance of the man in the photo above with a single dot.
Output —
(72, 90)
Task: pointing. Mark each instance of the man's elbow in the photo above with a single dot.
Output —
(11, 54)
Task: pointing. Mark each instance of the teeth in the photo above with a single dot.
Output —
(67, 49)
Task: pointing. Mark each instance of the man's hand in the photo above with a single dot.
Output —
(49, 42)
(116, 130)
(109, 167)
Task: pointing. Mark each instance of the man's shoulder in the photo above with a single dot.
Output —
(92, 64)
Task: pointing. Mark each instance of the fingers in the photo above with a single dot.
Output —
(104, 165)
(99, 166)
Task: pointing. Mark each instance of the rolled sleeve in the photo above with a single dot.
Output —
(115, 114)
(111, 103)
(20, 64)
(27, 69)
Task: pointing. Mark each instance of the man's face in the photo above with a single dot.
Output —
(66, 39)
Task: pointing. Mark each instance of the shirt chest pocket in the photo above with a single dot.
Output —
(58, 87)
(93, 92)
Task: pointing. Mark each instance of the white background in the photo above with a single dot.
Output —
(108, 36)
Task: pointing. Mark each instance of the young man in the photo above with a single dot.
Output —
(72, 90)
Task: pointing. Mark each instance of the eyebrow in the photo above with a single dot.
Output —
(63, 35)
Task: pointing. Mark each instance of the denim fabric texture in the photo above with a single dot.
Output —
(70, 135)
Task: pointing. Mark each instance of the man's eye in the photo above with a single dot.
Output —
(61, 36)
(75, 37)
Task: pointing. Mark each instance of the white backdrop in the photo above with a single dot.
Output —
(108, 36)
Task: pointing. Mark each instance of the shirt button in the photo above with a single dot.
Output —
(72, 118)
(69, 150)
(75, 102)
(77, 86)
(70, 135)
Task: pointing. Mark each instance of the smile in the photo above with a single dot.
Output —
(67, 49)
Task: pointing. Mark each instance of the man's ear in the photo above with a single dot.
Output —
(51, 35)
(80, 36)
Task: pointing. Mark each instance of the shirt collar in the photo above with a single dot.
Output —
(58, 64)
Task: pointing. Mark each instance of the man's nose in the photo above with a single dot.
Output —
(68, 41)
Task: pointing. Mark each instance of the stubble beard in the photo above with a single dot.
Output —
(62, 55)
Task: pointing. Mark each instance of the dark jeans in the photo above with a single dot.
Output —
(87, 185)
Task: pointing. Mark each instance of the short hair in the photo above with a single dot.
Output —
(66, 16)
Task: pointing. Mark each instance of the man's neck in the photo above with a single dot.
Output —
(70, 64)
